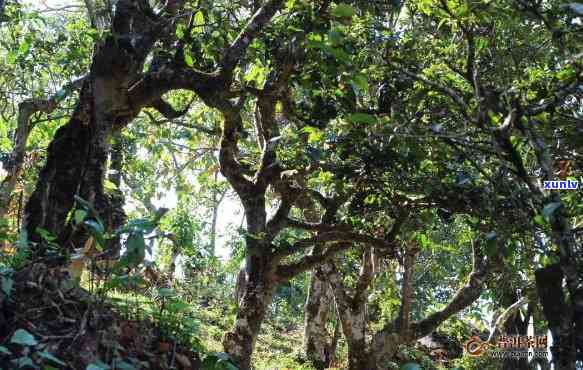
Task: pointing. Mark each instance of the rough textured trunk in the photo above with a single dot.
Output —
(549, 281)
(240, 342)
(77, 156)
(317, 344)
(259, 286)
(354, 328)
(352, 312)
(62, 174)
(571, 339)
(515, 325)
(257, 295)
(319, 348)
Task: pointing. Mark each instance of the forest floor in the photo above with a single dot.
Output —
(49, 322)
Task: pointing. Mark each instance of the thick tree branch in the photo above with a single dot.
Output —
(279, 219)
(502, 138)
(194, 126)
(286, 272)
(340, 237)
(167, 110)
(153, 85)
(403, 320)
(228, 153)
(268, 131)
(311, 226)
(364, 279)
(237, 49)
(464, 297)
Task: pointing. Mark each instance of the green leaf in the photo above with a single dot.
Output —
(4, 351)
(256, 73)
(315, 135)
(230, 366)
(180, 31)
(122, 365)
(95, 226)
(198, 22)
(45, 234)
(85, 204)
(335, 37)
(108, 185)
(178, 306)
(410, 366)
(23, 338)
(362, 118)
(539, 220)
(135, 250)
(97, 365)
(188, 59)
(360, 82)
(441, 23)
(97, 231)
(7, 284)
(23, 361)
(343, 10)
(24, 48)
(61, 94)
(47, 356)
(79, 216)
(166, 292)
(11, 57)
(550, 209)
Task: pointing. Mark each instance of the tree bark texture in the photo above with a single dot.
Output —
(77, 156)
(317, 343)
(559, 315)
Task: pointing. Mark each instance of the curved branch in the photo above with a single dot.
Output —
(237, 49)
(230, 167)
(167, 110)
(464, 297)
(286, 272)
(26, 109)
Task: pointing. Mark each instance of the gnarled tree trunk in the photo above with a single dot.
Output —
(317, 342)
(77, 156)
(559, 315)
(352, 312)
(257, 294)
